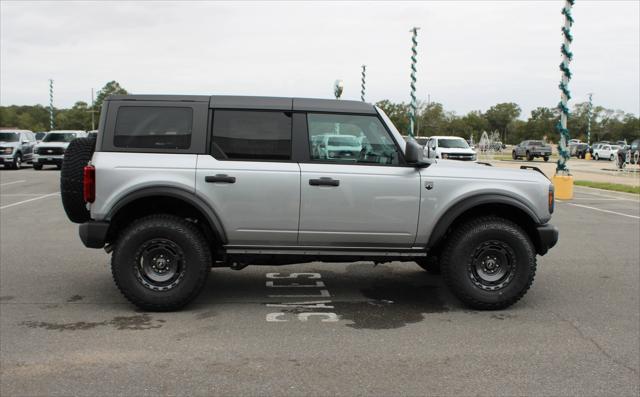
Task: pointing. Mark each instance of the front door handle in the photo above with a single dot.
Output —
(220, 178)
(324, 181)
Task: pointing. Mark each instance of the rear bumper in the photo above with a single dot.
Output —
(93, 233)
(547, 238)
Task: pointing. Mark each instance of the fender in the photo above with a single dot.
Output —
(468, 203)
(173, 192)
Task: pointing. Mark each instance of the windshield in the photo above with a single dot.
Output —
(536, 143)
(346, 140)
(8, 137)
(59, 137)
(452, 143)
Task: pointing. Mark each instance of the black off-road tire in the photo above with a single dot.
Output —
(467, 245)
(128, 270)
(76, 157)
(430, 264)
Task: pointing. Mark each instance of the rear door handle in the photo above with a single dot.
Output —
(324, 181)
(220, 178)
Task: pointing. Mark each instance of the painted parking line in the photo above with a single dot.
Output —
(29, 200)
(11, 183)
(601, 210)
(591, 193)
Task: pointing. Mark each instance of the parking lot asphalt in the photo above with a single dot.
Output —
(386, 330)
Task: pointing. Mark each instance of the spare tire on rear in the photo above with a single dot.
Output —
(76, 157)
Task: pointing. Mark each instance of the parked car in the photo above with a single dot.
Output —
(573, 141)
(630, 154)
(16, 147)
(606, 151)
(449, 148)
(170, 195)
(40, 135)
(51, 149)
(333, 146)
(579, 150)
(531, 149)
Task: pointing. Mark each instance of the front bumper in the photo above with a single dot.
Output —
(93, 233)
(6, 159)
(547, 236)
(44, 159)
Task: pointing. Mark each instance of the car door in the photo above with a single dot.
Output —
(368, 201)
(249, 177)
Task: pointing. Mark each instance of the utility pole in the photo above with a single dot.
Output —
(414, 60)
(93, 112)
(51, 123)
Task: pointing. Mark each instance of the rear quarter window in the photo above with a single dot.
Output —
(153, 127)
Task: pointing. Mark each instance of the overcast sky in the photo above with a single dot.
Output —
(471, 55)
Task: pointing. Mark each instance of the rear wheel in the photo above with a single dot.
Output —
(596, 157)
(546, 158)
(489, 263)
(161, 262)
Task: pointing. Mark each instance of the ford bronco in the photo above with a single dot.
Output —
(175, 185)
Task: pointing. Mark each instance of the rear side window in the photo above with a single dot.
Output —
(251, 135)
(153, 127)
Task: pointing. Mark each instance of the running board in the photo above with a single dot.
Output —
(325, 251)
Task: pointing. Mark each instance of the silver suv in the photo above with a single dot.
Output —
(175, 185)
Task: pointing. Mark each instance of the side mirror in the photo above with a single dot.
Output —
(413, 153)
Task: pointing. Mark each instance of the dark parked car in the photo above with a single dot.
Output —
(579, 150)
(531, 149)
(629, 154)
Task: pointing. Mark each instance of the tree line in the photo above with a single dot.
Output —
(431, 119)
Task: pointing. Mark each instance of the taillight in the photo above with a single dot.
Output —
(89, 184)
(552, 199)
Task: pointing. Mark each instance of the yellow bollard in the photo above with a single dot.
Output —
(587, 156)
(563, 185)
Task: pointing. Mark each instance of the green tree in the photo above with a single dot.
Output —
(111, 88)
(397, 112)
(501, 118)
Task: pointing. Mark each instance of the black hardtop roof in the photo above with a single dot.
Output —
(258, 102)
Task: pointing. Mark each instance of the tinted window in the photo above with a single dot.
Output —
(153, 127)
(8, 137)
(350, 139)
(251, 135)
(452, 143)
(59, 137)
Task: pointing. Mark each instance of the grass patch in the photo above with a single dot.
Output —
(616, 187)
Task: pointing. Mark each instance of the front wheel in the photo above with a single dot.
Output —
(529, 157)
(37, 167)
(596, 157)
(489, 263)
(17, 162)
(611, 158)
(546, 158)
(161, 262)
(513, 155)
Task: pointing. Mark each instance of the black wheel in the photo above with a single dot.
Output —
(76, 157)
(489, 263)
(529, 156)
(17, 162)
(161, 262)
(37, 167)
(513, 155)
(611, 158)
(546, 158)
(597, 157)
(430, 264)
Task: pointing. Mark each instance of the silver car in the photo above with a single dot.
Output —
(16, 147)
(175, 185)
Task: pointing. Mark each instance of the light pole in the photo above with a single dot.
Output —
(563, 180)
(362, 86)
(589, 115)
(51, 123)
(414, 60)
